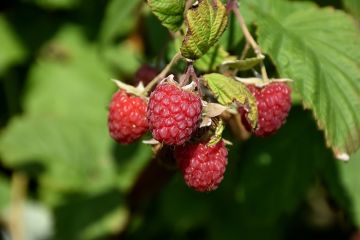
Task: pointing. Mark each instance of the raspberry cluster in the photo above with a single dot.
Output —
(173, 113)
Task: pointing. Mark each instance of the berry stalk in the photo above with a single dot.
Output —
(233, 6)
(163, 73)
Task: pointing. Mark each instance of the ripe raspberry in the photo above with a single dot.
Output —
(145, 74)
(203, 167)
(127, 117)
(274, 103)
(173, 114)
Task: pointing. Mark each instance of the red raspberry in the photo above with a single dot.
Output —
(145, 74)
(173, 114)
(203, 167)
(274, 103)
(127, 117)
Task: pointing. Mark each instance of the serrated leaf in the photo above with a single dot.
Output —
(169, 12)
(206, 23)
(320, 50)
(212, 59)
(243, 65)
(228, 90)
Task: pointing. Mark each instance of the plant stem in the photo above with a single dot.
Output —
(19, 184)
(233, 5)
(188, 5)
(195, 79)
(163, 73)
(245, 51)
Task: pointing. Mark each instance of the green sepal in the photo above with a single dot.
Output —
(219, 128)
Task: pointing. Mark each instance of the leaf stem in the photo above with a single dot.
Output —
(163, 73)
(234, 6)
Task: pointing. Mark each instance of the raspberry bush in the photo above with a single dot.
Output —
(227, 121)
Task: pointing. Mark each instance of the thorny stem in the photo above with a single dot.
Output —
(233, 5)
(163, 73)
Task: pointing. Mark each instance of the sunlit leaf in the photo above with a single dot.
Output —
(323, 63)
(228, 90)
(206, 23)
(169, 12)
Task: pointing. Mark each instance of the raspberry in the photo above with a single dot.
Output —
(203, 167)
(145, 74)
(173, 114)
(274, 103)
(127, 117)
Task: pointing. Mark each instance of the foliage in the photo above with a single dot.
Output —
(56, 62)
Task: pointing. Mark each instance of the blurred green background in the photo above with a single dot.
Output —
(62, 177)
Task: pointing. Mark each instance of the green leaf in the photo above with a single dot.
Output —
(66, 139)
(11, 49)
(269, 186)
(119, 19)
(206, 23)
(243, 65)
(228, 90)
(212, 59)
(106, 207)
(122, 57)
(353, 6)
(320, 50)
(169, 12)
(53, 131)
(351, 181)
(63, 132)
